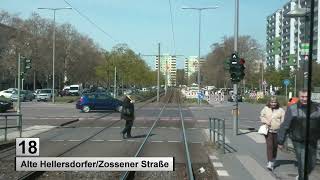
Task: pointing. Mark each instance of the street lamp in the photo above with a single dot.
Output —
(54, 45)
(299, 12)
(200, 9)
(307, 13)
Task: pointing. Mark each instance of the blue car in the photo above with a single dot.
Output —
(98, 101)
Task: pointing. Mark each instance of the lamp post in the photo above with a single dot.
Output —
(309, 15)
(54, 45)
(200, 9)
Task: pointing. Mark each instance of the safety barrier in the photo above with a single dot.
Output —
(6, 127)
(217, 132)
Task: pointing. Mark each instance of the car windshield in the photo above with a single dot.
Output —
(74, 88)
(47, 91)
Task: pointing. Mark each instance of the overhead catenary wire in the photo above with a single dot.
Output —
(172, 27)
(93, 23)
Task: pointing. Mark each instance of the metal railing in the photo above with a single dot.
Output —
(217, 132)
(6, 127)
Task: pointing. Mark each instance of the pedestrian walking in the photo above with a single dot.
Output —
(272, 116)
(295, 124)
(127, 113)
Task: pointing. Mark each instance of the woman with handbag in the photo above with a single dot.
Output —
(271, 116)
(127, 113)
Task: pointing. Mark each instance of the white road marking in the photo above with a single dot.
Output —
(213, 157)
(156, 141)
(74, 140)
(201, 120)
(254, 168)
(115, 140)
(57, 140)
(97, 140)
(217, 164)
(131, 140)
(222, 173)
(174, 141)
(117, 127)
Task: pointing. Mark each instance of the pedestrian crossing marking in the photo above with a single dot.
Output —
(222, 173)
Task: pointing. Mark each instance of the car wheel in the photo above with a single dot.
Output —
(119, 109)
(85, 109)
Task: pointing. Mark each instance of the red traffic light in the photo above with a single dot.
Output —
(242, 61)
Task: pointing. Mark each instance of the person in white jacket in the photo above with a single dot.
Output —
(272, 115)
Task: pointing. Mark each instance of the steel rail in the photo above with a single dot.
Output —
(189, 164)
(35, 174)
(127, 173)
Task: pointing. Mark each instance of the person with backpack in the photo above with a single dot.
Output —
(127, 113)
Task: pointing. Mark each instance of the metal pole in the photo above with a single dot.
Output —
(286, 93)
(19, 86)
(22, 83)
(306, 156)
(235, 85)
(158, 76)
(210, 129)
(34, 80)
(53, 53)
(199, 100)
(115, 82)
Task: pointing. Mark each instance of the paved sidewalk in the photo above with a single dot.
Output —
(246, 155)
(246, 159)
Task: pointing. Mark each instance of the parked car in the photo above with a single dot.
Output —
(7, 93)
(14, 96)
(98, 101)
(44, 95)
(36, 92)
(28, 95)
(5, 104)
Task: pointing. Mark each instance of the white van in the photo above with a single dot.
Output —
(75, 90)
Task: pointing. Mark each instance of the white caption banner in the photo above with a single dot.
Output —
(94, 163)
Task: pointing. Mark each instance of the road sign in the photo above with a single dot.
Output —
(200, 95)
(286, 82)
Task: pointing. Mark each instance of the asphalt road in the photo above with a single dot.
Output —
(166, 139)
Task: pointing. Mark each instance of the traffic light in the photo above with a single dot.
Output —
(242, 68)
(25, 64)
(236, 68)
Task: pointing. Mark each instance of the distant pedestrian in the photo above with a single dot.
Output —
(295, 124)
(127, 113)
(272, 115)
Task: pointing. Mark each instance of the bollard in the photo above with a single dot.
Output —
(6, 130)
(20, 125)
(214, 130)
(210, 129)
(223, 136)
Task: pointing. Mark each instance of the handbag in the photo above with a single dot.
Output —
(263, 130)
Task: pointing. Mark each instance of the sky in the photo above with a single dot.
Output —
(142, 24)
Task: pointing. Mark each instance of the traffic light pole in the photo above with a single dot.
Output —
(235, 85)
(19, 86)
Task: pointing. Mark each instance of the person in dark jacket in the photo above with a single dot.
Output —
(295, 124)
(127, 114)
